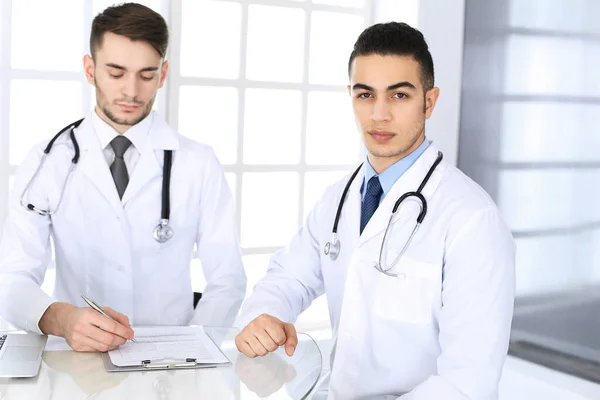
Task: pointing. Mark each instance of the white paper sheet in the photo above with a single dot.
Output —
(168, 344)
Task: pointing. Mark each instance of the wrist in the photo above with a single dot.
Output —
(52, 320)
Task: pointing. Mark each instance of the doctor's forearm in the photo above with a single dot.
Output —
(22, 301)
(268, 298)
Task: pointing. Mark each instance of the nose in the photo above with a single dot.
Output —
(381, 111)
(130, 87)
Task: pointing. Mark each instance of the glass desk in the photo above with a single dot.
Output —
(71, 375)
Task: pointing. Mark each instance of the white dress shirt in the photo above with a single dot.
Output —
(137, 134)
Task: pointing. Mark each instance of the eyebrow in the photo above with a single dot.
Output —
(146, 69)
(404, 84)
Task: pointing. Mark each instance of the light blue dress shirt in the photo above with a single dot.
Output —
(391, 174)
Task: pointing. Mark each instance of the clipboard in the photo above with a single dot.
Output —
(149, 362)
(158, 365)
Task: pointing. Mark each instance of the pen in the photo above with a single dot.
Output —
(96, 307)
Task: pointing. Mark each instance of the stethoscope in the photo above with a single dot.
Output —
(332, 248)
(162, 232)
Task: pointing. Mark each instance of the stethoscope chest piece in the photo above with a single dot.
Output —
(332, 249)
(163, 231)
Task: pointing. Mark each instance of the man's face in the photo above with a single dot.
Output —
(127, 75)
(390, 105)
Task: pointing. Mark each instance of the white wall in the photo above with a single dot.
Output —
(442, 24)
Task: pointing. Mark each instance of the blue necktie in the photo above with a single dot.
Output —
(371, 201)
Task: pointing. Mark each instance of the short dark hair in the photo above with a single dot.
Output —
(396, 39)
(133, 20)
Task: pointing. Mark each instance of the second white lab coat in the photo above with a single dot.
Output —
(440, 330)
(104, 247)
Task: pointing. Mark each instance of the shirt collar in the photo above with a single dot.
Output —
(137, 134)
(390, 175)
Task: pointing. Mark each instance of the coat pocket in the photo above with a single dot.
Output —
(411, 296)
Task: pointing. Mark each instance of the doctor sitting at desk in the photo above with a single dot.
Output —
(415, 259)
(123, 199)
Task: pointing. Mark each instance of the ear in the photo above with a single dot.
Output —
(163, 73)
(89, 68)
(431, 98)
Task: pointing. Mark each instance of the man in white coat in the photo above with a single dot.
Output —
(102, 218)
(423, 317)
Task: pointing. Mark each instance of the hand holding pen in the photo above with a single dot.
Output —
(86, 328)
(118, 317)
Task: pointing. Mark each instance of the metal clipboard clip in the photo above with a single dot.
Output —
(188, 363)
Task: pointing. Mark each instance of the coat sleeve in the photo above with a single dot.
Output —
(477, 306)
(219, 251)
(25, 252)
(294, 279)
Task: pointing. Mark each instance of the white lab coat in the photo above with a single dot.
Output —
(439, 330)
(104, 246)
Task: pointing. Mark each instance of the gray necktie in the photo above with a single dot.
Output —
(118, 169)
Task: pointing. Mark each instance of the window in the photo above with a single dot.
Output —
(261, 81)
(273, 106)
(39, 77)
(529, 135)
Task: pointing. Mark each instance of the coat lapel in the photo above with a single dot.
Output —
(94, 166)
(349, 227)
(150, 164)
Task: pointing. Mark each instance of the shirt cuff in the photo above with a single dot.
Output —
(37, 310)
